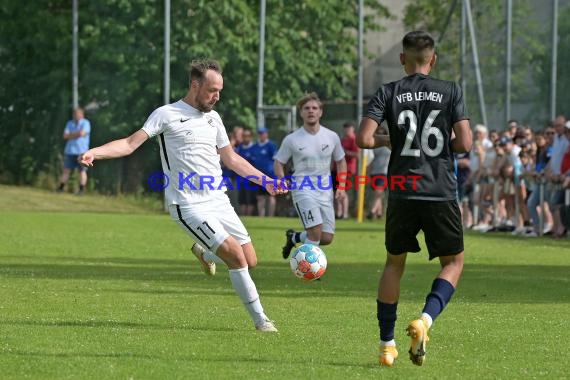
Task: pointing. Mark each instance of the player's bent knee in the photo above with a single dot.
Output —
(251, 260)
(453, 261)
(232, 253)
(250, 256)
(326, 238)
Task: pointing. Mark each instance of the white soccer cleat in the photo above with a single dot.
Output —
(480, 227)
(266, 326)
(209, 267)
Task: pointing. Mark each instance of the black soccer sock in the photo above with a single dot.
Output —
(61, 186)
(297, 237)
(386, 314)
(81, 187)
(441, 292)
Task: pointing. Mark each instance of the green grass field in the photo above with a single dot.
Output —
(112, 292)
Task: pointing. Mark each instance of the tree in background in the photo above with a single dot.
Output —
(530, 41)
(35, 67)
(310, 45)
(544, 66)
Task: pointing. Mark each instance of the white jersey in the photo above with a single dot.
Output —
(189, 141)
(312, 156)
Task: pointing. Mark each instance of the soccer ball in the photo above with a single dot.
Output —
(309, 262)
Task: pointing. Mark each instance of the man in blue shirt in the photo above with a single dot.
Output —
(247, 190)
(76, 133)
(263, 153)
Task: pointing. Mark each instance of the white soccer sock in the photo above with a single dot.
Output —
(307, 241)
(210, 256)
(428, 319)
(247, 292)
(302, 237)
(388, 343)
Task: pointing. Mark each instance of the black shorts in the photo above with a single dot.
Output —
(439, 220)
(247, 196)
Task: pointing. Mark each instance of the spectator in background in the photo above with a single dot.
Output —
(351, 150)
(464, 190)
(236, 138)
(535, 176)
(503, 173)
(76, 134)
(529, 137)
(519, 136)
(377, 168)
(512, 126)
(553, 173)
(565, 169)
(564, 209)
(494, 136)
(499, 213)
(481, 162)
(247, 190)
(565, 165)
(264, 151)
(514, 189)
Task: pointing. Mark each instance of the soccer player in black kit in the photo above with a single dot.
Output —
(427, 123)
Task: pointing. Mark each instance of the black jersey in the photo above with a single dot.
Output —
(420, 112)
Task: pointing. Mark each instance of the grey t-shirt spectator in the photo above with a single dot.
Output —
(379, 164)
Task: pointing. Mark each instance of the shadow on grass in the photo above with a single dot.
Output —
(72, 355)
(339, 229)
(480, 282)
(545, 240)
(114, 325)
(237, 357)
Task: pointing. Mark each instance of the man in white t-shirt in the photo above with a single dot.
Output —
(192, 141)
(312, 149)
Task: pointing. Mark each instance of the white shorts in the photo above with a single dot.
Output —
(210, 223)
(314, 211)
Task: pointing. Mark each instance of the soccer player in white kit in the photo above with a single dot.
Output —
(192, 140)
(312, 149)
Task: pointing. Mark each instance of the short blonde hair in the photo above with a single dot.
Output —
(307, 98)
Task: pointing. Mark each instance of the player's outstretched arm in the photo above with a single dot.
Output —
(367, 138)
(463, 140)
(278, 169)
(114, 149)
(242, 167)
(341, 168)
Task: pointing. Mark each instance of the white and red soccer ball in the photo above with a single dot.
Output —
(308, 262)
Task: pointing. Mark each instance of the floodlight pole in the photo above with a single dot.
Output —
(166, 72)
(359, 97)
(553, 75)
(462, 59)
(467, 5)
(360, 90)
(463, 52)
(261, 65)
(508, 62)
(75, 55)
